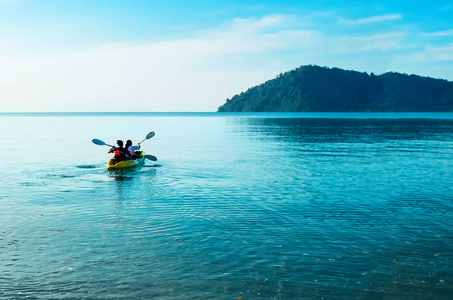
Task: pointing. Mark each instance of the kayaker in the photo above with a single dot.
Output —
(120, 153)
(133, 150)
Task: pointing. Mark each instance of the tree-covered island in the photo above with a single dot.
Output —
(321, 89)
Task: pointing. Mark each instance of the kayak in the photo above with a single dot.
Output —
(125, 163)
(130, 163)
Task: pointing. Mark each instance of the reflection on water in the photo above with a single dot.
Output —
(252, 207)
(352, 130)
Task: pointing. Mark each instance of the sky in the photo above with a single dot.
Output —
(190, 56)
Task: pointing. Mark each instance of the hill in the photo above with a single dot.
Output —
(321, 89)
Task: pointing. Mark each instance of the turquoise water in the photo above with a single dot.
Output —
(259, 206)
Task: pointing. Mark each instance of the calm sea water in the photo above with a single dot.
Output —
(258, 206)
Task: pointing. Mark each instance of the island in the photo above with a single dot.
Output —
(313, 88)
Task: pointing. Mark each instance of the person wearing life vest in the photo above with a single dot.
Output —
(120, 153)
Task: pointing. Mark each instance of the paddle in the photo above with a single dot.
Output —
(148, 136)
(151, 157)
(100, 143)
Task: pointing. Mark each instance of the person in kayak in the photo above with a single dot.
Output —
(120, 153)
(133, 150)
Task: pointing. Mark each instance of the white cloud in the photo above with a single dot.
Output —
(253, 36)
(192, 74)
(187, 74)
(439, 33)
(357, 44)
(433, 54)
(374, 19)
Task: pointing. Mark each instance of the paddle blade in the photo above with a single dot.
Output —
(98, 142)
(150, 135)
(151, 157)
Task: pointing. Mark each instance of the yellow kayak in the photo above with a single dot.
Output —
(112, 164)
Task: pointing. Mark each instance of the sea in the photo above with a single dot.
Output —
(238, 206)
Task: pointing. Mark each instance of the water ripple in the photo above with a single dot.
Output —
(255, 208)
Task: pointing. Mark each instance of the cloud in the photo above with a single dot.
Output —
(251, 35)
(374, 19)
(433, 54)
(439, 33)
(359, 44)
(193, 74)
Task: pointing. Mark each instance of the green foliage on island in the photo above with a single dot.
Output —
(321, 89)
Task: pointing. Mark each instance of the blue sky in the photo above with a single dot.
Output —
(59, 55)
